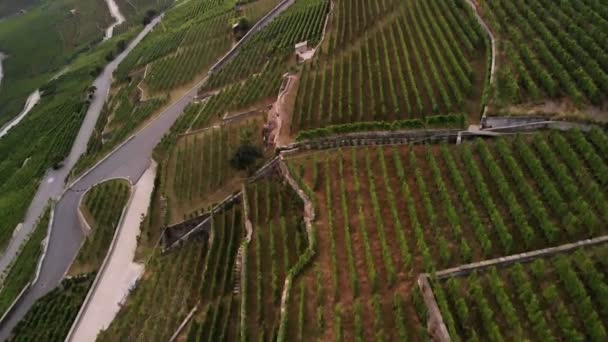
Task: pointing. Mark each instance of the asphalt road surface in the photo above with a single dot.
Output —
(66, 236)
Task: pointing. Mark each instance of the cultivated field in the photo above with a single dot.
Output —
(560, 298)
(388, 214)
(198, 274)
(391, 60)
(550, 50)
(51, 317)
(102, 208)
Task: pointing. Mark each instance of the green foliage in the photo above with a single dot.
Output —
(103, 205)
(22, 271)
(51, 317)
(245, 156)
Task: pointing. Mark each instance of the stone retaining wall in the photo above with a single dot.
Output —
(202, 228)
(518, 258)
(435, 325)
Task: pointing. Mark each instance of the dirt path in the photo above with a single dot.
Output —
(281, 113)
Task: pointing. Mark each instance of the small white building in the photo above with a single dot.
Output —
(303, 52)
(302, 47)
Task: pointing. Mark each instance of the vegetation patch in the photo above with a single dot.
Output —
(389, 214)
(102, 208)
(52, 316)
(23, 269)
(562, 297)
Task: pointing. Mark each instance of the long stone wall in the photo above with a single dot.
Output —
(436, 326)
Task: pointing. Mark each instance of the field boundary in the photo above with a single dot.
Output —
(306, 257)
(101, 270)
(244, 249)
(184, 323)
(518, 258)
(205, 224)
(436, 326)
(492, 67)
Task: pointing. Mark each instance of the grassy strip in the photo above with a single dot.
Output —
(24, 267)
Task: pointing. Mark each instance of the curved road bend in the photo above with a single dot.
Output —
(130, 161)
(66, 236)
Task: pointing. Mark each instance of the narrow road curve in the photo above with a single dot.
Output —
(115, 13)
(129, 160)
(31, 101)
(66, 235)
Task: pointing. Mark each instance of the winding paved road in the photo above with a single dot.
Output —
(129, 160)
(66, 236)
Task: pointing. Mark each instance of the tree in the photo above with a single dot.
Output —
(247, 153)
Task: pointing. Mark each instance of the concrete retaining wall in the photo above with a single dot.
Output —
(518, 258)
(435, 324)
(204, 227)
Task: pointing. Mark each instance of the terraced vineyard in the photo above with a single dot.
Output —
(328, 243)
(179, 52)
(267, 51)
(198, 274)
(278, 240)
(550, 50)
(51, 317)
(102, 208)
(199, 171)
(394, 60)
(388, 214)
(191, 37)
(560, 298)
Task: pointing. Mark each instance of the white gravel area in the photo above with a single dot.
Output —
(120, 273)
